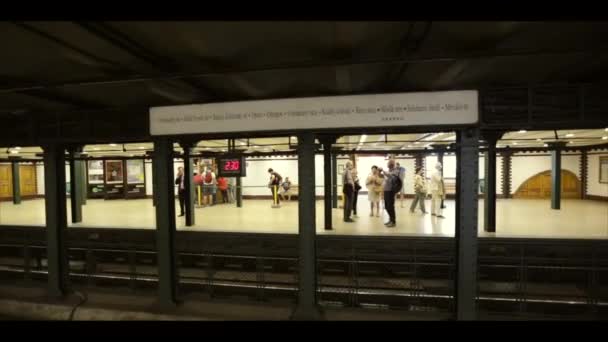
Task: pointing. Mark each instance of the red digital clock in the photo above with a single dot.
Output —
(231, 166)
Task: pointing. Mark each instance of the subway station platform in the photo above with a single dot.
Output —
(578, 219)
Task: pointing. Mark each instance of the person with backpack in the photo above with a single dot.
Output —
(209, 187)
(392, 186)
(273, 184)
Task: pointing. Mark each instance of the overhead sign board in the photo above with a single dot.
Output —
(354, 111)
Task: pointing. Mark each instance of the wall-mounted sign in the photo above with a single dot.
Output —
(355, 111)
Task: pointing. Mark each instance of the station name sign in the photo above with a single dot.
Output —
(353, 111)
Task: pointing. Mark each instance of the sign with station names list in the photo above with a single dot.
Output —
(354, 111)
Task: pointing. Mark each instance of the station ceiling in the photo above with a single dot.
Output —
(50, 67)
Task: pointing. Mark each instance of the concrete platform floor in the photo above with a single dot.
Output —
(515, 218)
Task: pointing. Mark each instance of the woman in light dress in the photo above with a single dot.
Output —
(374, 183)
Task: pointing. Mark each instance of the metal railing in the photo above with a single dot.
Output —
(568, 278)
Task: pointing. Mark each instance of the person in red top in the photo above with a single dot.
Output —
(222, 185)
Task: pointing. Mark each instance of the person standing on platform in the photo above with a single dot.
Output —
(419, 191)
(382, 181)
(373, 183)
(392, 185)
(357, 187)
(209, 187)
(402, 177)
(181, 190)
(274, 183)
(348, 190)
(437, 191)
(222, 185)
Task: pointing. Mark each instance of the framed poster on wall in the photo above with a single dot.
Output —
(135, 171)
(603, 169)
(114, 172)
(95, 172)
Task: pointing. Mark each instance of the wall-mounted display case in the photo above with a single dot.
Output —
(116, 178)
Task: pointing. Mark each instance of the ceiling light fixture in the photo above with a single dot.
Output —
(522, 131)
(14, 151)
(569, 135)
(605, 137)
(113, 145)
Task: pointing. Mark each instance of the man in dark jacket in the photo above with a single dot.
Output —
(181, 189)
(392, 176)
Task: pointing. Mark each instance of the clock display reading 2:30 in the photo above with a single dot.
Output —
(232, 165)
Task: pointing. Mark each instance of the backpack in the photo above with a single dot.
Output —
(396, 184)
(208, 177)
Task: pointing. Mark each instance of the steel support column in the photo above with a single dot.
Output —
(239, 192)
(556, 174)
(467, 175)
(165, 222)
(489, 212)
(307, 308)
(188, 182)
(82, 180)
(56, 219)
(506, 174)
(327, 180)
(75, 185)
(584, 172)
(334, 180)
(16, 182)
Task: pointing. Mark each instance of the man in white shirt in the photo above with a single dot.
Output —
(437, 191)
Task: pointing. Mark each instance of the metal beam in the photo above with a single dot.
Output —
(556, 174)
(188, 182)
(16, 182)
(134, 48)
(56, 219)
(334, 180)
(452, 72)
(307, 307)
(466, 223)
(75, 186)
(327, 185)
(490, 181)
(106, 65)
(165, 223)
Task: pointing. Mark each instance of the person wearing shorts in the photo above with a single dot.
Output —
(209, 187)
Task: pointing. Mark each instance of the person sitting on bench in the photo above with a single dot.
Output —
(285, 187)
